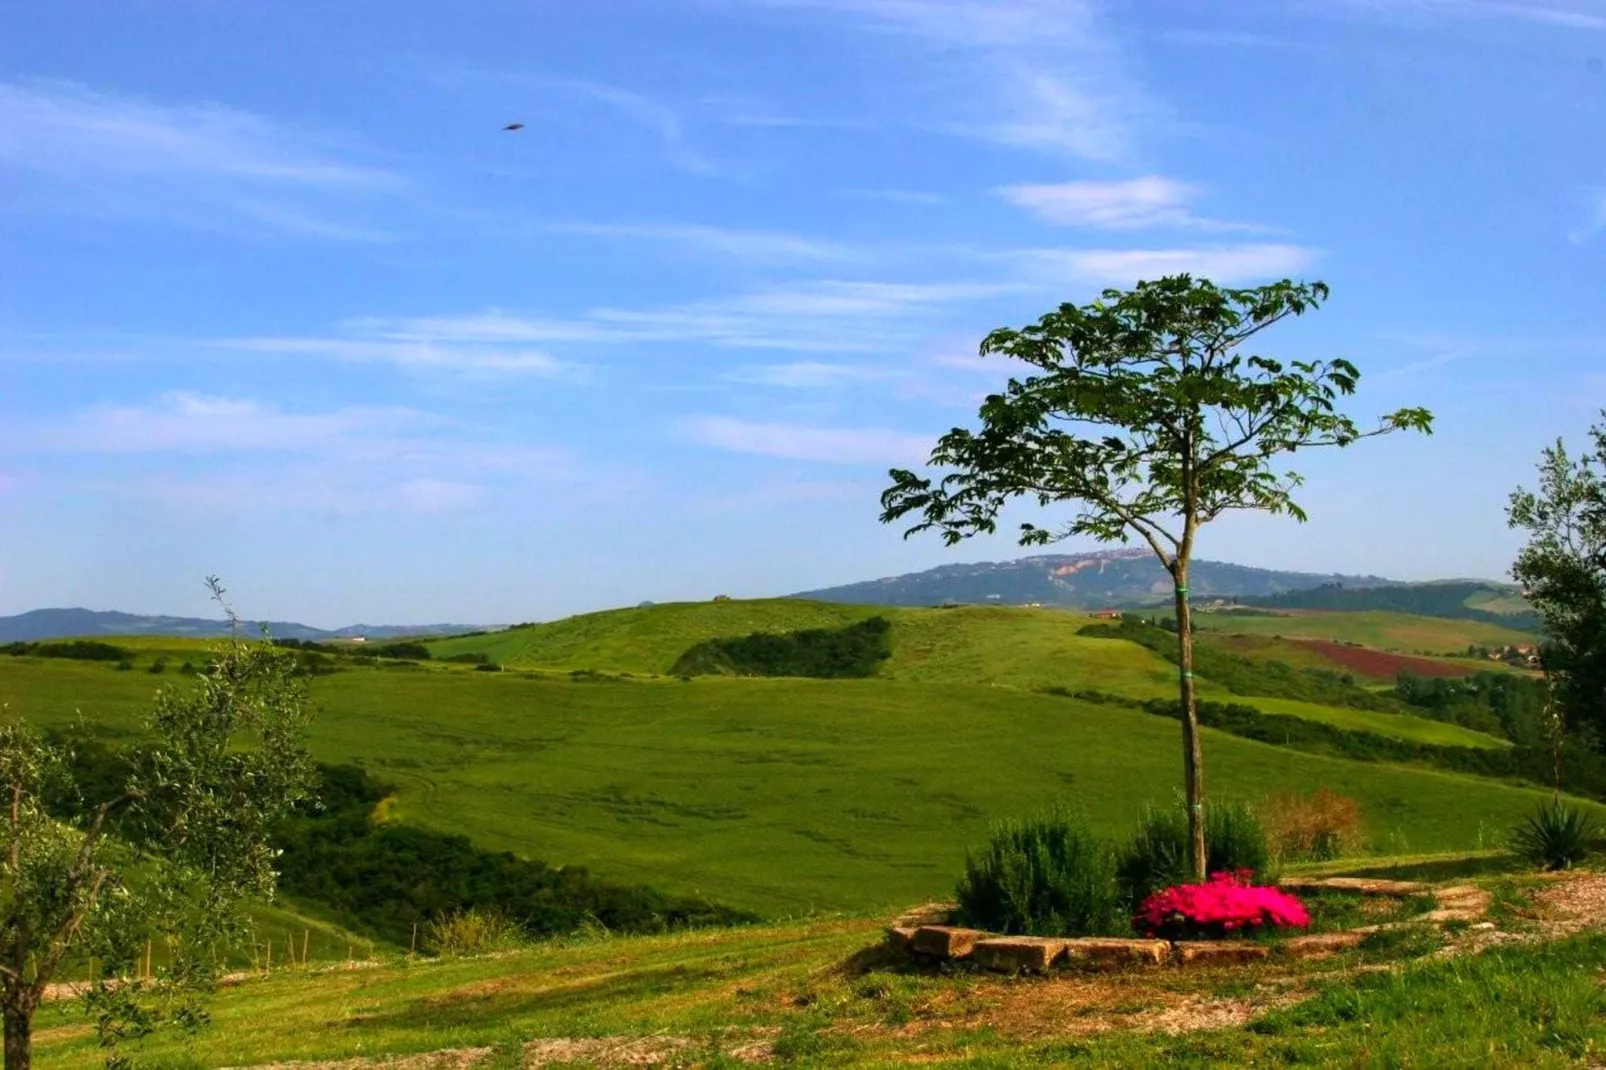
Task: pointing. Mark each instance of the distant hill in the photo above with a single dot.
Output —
(1127, 577)
(1492, 603)
(84, 623)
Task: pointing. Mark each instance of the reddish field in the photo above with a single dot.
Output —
(1374, 663)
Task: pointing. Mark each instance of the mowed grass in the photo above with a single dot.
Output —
(1400, 633)
(817, 995)
(786, 797)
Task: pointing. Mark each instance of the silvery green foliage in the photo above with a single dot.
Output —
(171, 858)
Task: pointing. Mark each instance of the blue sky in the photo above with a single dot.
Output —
(280, 299)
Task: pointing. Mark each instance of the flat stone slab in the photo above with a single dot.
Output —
(1110, 953)
(1214, 953)
(945, 941)
(901, 938)
(1321, 944)
(1018, 954)
(1359, 885)
(925, 914)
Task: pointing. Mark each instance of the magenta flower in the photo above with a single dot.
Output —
(1227, 904)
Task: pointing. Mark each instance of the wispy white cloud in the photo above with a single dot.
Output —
(419, 354)
(799, 442)
(206, 453)
(189, 422)
(92, 152)
(810, 374)
(652, 114)
(759, 246)
(1039, 74)
(1122, 267)
(1578, 15)
(822, 315)
(1128, 204)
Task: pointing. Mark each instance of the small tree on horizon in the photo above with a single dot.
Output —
(1145, 412)
(172, 854)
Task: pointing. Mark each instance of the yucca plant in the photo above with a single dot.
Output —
(1553, 837)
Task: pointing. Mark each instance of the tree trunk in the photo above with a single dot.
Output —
(1192, 753)
(19, 1037)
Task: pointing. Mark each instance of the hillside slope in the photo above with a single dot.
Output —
(1077, 581)
(778, 796)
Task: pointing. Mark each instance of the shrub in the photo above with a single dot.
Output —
(1312, 827)
(1235, 840)
(1226, 905)
(1044, 875)
(487, 666)
(1157, 855)
(1554, 836)
(854, 650)
(472, 932)
(124, 666)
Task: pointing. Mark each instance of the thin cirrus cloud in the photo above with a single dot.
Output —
(758, 246)
(1122, 267)
(189, 422)
(421, 354)
(1579, 15)
(1037, 74)
(809, 374)
(1130, 204)
(75, 148)
(800, 442)
(821, 315)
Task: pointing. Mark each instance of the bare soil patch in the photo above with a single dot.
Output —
(1364, 661)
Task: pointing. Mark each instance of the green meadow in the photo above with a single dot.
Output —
(783, 796)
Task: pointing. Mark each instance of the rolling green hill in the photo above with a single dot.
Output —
(777, 795)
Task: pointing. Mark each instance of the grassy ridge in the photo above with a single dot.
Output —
(778, 796)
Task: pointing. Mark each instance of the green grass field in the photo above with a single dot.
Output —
(1398, 633)
(781, 796)
(1397, 725)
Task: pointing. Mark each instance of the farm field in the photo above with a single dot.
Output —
(1398, 633)
(785, 797)
(1396, 725)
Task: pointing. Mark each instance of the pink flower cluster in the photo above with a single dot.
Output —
(1227, 904)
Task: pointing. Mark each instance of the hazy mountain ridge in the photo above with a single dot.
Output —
(1080, 581)
(87, 623)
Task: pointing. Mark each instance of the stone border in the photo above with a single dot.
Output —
(924, 934)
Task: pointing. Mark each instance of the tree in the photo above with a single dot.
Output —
(1145, 413)
(171, 856)
(1563, 569)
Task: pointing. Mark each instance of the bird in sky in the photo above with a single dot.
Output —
(514, 126)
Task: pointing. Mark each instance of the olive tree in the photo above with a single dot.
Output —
(171, 856)
(1146, 412)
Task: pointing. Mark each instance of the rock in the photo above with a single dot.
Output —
(1359, 885)
(926, 914)
(1212, 953)
(1018, 954)
(1099, 952)
(1483, 927)
(1310, 947)
(901, 938)
(944, 941)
